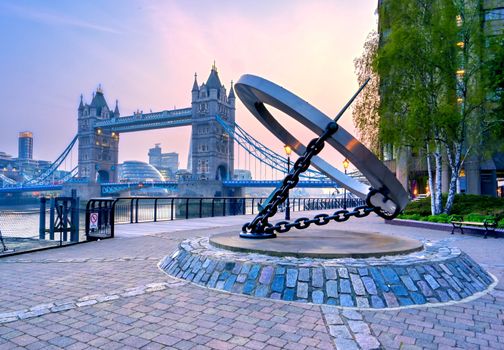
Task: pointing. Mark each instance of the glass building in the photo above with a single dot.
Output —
(136, 171)
(25, 142)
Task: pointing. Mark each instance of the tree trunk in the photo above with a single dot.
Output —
(436, 191)
(455, 161)
(431, 180)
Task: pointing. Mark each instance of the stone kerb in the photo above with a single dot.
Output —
(437, 274)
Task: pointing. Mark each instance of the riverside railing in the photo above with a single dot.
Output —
(103, 213)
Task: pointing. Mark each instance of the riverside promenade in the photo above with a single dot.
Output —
(111, 294)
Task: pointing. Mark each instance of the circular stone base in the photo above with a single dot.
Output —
(436, 274)
(320, 244)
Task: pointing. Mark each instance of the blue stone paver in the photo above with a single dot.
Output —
(229, 283)
(343, 272)
(418, 298)
(266, 275)
(318, 296)
(390, 275)
(345, 286)
(377, 302)
(408, 282)
(358, 286)
(261, 291)
(432, 282)
(332, 289)
(346, 300)
(254, 271)
(249, 286)
(280, 270)
(291, 277)
(330, 273)
(399, 290)
(302, 290)
(288, 294)
(318, 277)
(369, 285)
(278, 283)
(378, 278)
(304, 274)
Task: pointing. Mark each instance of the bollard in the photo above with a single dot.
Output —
(42, 218)
(74, 232)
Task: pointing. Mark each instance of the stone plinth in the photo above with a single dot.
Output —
(434, 275)
(320, 244)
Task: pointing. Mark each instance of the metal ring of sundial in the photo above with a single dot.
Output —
(255, 92)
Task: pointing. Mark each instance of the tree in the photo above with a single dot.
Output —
(494, 76)
(470, 89)
(412, 64)
(432, 86)
(365, 111)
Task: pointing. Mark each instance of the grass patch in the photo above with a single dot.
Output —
(472, 207)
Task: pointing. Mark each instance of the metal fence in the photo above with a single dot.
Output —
(103, 213)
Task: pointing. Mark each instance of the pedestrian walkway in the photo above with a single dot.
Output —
(110, 294)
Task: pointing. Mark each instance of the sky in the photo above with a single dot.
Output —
(145, 54)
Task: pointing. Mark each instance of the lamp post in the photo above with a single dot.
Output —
(346, 163)
(288, 151)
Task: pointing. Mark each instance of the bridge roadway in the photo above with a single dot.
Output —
(110, 294)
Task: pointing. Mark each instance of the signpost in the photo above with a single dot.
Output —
(93, 221)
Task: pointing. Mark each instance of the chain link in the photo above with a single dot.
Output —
(260, 225)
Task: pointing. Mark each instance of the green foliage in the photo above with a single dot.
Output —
(494, 76)
(472, 207)
(416, 66)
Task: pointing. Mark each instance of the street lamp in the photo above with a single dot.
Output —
(288, 151)
(346, 163)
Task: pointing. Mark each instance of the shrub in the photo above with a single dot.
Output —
(472, 207)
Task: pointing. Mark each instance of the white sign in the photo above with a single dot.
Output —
(93, 221)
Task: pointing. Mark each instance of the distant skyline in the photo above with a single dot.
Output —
(145, 54)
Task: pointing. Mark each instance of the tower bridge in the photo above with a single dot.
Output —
(214, 135)
(212, 150)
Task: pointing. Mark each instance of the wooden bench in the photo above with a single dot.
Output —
(458, 221)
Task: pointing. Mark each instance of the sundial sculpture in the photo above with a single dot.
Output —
(320, 266)
(386, 196)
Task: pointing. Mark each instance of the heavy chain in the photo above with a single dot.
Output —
(261, 228)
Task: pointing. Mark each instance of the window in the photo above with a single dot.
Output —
(203, 130)
(203, 107)
(494, 14)
(203, 166)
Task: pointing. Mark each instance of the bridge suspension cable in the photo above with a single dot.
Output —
(262, 153)
(42, 178)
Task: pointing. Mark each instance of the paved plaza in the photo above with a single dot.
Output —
(112, 295)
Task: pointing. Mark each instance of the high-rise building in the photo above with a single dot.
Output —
(481, 173)
(155, 156)
(25, 142)
(166, 163)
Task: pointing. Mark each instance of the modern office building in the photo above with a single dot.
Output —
(482, 173)
(25, 142)
(166, 163)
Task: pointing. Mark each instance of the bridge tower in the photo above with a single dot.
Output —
(212, 150)
(98, 148)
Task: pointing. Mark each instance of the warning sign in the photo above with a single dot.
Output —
(93, 221)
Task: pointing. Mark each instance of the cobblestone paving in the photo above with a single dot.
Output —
(116, 298)
(436, 274)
